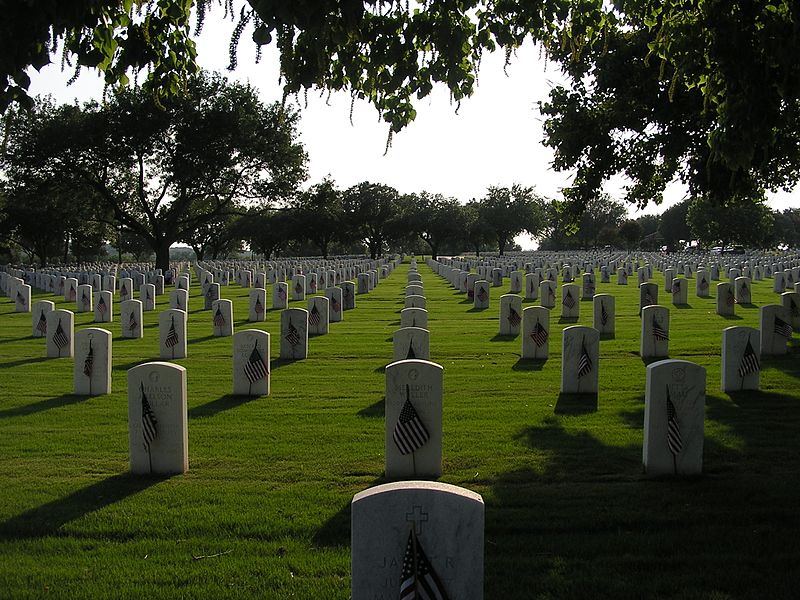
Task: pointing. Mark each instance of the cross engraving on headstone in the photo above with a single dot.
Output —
(418, 517)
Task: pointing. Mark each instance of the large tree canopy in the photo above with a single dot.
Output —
(705, 90)
(163, 173)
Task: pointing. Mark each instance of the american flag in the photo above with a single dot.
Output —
(71, 294)
(648, 297)
(298, 288)
(513, 317)
(676, 287)
(418, 580)
(132, 324)
(314, 317)
(88, 364)
(703, 284)
(209, 293)
(281, 293)
(411, 354)
(782, 327)
(255, 368)
(531, 288)
(60, 338)
(147, 295)
(219, 319)
(749, 362)
(568, 300)
(20, 299)
(539, 335)
(603, 314)
(659, 332)
(409, 433)
(85, 300)
(102, 307)
(482, 295)
(259, 308)
(123, 291)
(590, 289)
(313, 285)
(730, 300)
(793, 308)
(674, 441)
(584, 363)
(335, 304)
(551, 295)
(172, 335)
(149, 422)
(41, 326)
(346, 293)
(177, 300)
(292, 335)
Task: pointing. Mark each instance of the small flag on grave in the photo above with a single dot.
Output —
(749, 362)
(648, 298)
(255, 368)
(585, 362)
(298, 288)
(730, 299)
(85, 301)
(551, 295)
(132, 323)
(219, 319)
(782, 327)
(676, 287)
(703, 285)
(149, 422)
(41, 326)
(259, 308)
(102, 307)
(411, 354)
(172, 335)
(282, 294)
(20, 299)
(603, 314)
(409, 433)
(335, 304)
(292, 335)
(482, 296)
(72, 294)
(659, 333)
(539, 335)
(123, 291)
(674, 440)
(568, 300)
(209, 293)
(513, 317)
(60, 338)
(88, 364)
(314, 317)
(418, 580)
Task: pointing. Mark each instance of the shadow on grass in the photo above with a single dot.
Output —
(374, 411)
(277, 363)
(568, 319)
(19, 339)
(732, 317)
(47, 519)
(475, 309)
(529, 364)
(607, 336)
(575, 404)
(221, 404)
(649, 360)
(132, 364)
(380, 369)
(42, 405)
(682, 306)
(335, 532)
(24, 361)
(504, 338)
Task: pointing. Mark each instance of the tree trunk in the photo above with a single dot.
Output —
(199, 251)
(162, 254)
(434, 250)
(66, 248)
(501, 245)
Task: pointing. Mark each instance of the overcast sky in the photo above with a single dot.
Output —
(495, 139)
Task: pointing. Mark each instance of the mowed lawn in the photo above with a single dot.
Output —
(264, 509)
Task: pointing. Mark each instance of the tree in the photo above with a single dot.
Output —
(319, 215)
(265, 230)
(162, 173)
(741, 221)
(437, 220)
(219, 237)
(786, 230)
(673, 228)
(507, 212)
(658, 89)
(630, 232)
(371, 212)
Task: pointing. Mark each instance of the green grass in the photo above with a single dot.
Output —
(569, 513)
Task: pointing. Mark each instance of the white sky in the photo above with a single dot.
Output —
(495, 139)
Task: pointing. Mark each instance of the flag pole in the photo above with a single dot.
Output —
(150, 459)
(416, 568)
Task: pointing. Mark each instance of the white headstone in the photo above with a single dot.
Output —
(60, 332)
(604, 314)
(298, 287)
(680, 291)
(158, 438)
(547, 293)
(531, 286)
(535, 332)
(654, 340)
(742, 290)
(437, 525)
(481, 294)
(673, 418)
(348, 295)
(39, 317)
(130, 319)
(411, 343)
(104, 307)
(172, 333)
(510, 314)
(125, 289)
(318, 315)
(92, 368)
(257, 307)
(414, 317)
(703, 284)
(210, 295)
(570, 301)
(83, 301)
(741, 359)
(294, 334)
(791, 302)
(776, 329)
(222, 318)
(580, 358)
(648, 295)
(413, 426)
(334, 296)
(251, 363)
(179, 298)
(147, 294)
